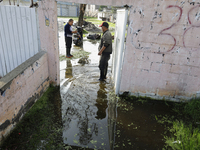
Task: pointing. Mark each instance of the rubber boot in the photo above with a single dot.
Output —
(101, 75)
(68, 53)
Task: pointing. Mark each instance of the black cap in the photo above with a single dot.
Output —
(105, 24)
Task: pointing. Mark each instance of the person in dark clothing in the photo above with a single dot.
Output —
(68, 37)
(105, 49)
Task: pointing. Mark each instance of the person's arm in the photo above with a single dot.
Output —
(105, 44)
(101, 51)
(74, 31)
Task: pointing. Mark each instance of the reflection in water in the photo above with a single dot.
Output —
(68, 73)
(84, 119)
(101, 101)
(112, 115)
(85, 130)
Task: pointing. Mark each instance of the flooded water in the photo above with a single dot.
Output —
(94, 119)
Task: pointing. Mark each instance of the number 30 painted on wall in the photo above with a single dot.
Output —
(188, 16)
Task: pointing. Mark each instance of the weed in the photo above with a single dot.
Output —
(185, 137)
(40, 128)
(185, 132)
(192, 110)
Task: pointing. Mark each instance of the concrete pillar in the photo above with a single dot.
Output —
(47, 11)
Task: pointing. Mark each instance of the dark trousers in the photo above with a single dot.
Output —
(68, 42)
(103, 65)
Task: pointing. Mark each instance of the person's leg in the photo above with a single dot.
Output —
(70, 43)
(106, 65)
(67, 47)
(102, 67)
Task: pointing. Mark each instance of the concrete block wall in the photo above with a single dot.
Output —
(49, 37)
(29, 82)
(162, 55)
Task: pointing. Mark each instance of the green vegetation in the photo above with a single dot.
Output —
(186, 137)
(93, 20)
(102, 7)
(182, 127)
(185, 131)
(41, 127)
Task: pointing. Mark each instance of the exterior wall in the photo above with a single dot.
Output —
(29, 82)
(49, 37)
(67, 10)
(162, 50)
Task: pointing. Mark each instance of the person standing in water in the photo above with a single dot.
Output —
(68, 37)
(105, 49)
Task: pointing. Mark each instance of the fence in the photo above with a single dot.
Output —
(18, 36)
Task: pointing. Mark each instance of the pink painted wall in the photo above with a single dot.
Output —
(23, 90)
(163, 50)
(49, 37)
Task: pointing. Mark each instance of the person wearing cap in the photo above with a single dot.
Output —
(105, 49)
(68, 37)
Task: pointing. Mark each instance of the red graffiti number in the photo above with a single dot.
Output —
(192, 25)
(189, 20)
(161, 32)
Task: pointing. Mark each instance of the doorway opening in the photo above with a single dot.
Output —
(87, 112)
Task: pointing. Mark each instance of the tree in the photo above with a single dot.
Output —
(102, 7)
(114, 9)
(82, 12)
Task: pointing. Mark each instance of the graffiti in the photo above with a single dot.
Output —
(135, 33)
(161, 32)
(188, 17)
(192, 25)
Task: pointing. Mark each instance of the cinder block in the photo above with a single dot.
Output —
(166, 92)
(139, 55)
(153, 57)
(155, 81)
(170, 59)
(155, 67)
(170, 85)
(165, 68)
(195, 71)
(180, 69)
(143, 65)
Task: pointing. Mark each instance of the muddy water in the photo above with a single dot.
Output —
(94, 119)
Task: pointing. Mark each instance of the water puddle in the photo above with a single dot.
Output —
(95, 119)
